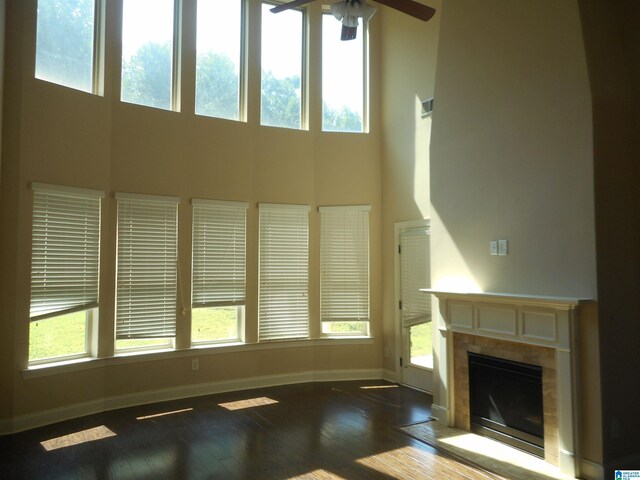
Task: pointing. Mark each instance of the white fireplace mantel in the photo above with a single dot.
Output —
(529, 319)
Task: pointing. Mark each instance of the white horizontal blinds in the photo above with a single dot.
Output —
(283, 302)
(219, 251)
(344, 264)
(147, 266)
(415, 274)
(65, 254)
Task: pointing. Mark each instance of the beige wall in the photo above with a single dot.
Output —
(409, 50)
(61, 136)
(511, 149)
(512, 158)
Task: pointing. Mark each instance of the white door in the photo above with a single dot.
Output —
(414, 307)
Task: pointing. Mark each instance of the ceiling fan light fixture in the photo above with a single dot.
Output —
(348, 13)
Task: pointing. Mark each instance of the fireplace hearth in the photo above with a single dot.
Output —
(505, 402)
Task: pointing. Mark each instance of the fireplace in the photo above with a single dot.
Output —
(526, 329)
(505, 402)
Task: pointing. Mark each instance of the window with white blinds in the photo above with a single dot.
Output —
(219, 251)
(147, 266)
(344, 264)
(415, 274)
(65, 254)
(283, 302)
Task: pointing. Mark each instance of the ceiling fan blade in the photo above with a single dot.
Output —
(410, 7)
(286, 6)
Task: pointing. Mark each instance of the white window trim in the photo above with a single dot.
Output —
(166, 200)
(304, 69)
(367, 321)
(240, 307)
(365, 76)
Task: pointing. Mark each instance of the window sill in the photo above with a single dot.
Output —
(68, 366)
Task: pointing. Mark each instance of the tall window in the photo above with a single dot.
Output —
(344, 267)
(148, 53)
(219, 58)
(219, 265)
(67, 42)
(146, 271)
(65, 259)
(283, 303)
(282, 55)
(343, 78)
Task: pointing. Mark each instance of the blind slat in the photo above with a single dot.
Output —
(415, 274)
(344, 264)
(147, 267)
(283, 304)
(219, 254)
(65, 250)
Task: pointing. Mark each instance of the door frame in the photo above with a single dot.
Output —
(397, 228)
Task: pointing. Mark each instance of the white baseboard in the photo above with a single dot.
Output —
(389, 375)
(46, 417)
(590, 470)
(441, 414)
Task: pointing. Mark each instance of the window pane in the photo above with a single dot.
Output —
(345, 328)
(218, 58)
(215, 324)
(143, 344)
(58, 336)
(421, 345)
(147, 52)
(281, 98)
(342, 79)
(64, 45)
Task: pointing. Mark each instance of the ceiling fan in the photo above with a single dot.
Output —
(348, 12)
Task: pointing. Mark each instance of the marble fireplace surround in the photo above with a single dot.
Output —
(531, 329)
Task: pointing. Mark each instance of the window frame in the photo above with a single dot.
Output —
(326, 275)
(242, 75)
(240, 307)
(304, 68)
(365, 77)
(98, 49)
(167, 342)
(175, 90)
(91, 308)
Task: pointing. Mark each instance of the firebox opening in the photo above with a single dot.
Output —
(505, 402)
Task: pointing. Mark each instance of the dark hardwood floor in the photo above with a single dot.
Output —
(316, 431)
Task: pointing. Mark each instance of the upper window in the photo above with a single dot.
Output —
(148, 56)
(283, 297)
(282, 56)
(146, 271)
(65, 259)
(344, 267)
(219, 266)
(219, 58)
(66, 43)
(343, 78)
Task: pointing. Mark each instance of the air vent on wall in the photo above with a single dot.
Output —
(427, 107)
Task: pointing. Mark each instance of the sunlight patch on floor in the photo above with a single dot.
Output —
(164, 414)
(249, 403)
(319, 474)
(485, 452)
(76, 438)
(375, 387)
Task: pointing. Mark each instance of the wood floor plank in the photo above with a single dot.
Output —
(315, 431)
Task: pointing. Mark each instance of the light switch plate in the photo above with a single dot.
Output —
(503, 247)
(493, 247)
